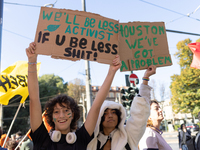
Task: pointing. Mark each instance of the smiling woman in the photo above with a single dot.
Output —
(65, 113)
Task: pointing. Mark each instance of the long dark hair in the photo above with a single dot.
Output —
(118, 113)
(182, 126)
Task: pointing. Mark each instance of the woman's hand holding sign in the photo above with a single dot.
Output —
(30, 52)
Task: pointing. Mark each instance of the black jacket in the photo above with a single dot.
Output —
(181, 139)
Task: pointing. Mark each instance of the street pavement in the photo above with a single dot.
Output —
(172, 139)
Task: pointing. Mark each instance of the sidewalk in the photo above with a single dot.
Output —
(171, 137)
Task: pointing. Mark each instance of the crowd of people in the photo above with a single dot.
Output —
(104, 128)
(187, 141)
(16, 141)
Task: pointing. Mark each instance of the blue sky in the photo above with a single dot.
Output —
(20, 23)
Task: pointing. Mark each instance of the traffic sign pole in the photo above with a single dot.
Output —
(131, 84)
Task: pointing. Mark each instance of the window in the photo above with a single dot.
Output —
(117, 94)
(111, 94)
(95, 87)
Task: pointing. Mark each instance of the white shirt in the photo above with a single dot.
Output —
(152, 139)
(103, 138)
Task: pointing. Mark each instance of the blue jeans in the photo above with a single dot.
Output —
(184, 147)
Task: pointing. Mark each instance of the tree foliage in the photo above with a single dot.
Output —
(185, 88)
(76, 88)
(163, 93)
(158, 88)
(22, 121)
(50, 85)
(152, 83)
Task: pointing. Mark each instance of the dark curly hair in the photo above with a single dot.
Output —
(118, 113)
(62, 99)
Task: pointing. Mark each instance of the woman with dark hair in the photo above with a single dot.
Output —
(111, 133)
(152, 138)
(62, 112)
(182, 136)
(62, 99)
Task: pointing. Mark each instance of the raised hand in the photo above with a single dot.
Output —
(150, 71)
(116, 63)
(30, 52)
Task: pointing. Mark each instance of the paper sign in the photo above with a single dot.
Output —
(13, 81)
(142, 44)
(76, 35)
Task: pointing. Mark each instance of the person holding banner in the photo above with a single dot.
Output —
(62, 112)
(110, 132)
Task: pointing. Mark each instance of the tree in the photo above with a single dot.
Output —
(163, 91)
(160, 88)
(76, 88)
(153, 85)
(22, 121)
(51, 85)
(185, 88)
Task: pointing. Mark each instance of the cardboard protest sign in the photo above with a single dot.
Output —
(76, 35)
(142, 44)
(13, 81)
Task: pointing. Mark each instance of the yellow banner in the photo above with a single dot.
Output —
(13, 81)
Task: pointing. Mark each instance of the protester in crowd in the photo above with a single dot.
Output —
(62, 112)
(27, 144)
(183, 135)
(13, 136)
(11, 144)
(18, 136)
(110, 132)
(1, 134)
(197, 139)
(3, 137)
(152, 138)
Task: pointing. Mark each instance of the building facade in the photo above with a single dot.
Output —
(113, 95)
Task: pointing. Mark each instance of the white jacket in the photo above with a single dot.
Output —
(135, 125)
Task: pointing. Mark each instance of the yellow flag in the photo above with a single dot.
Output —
(13, 81)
